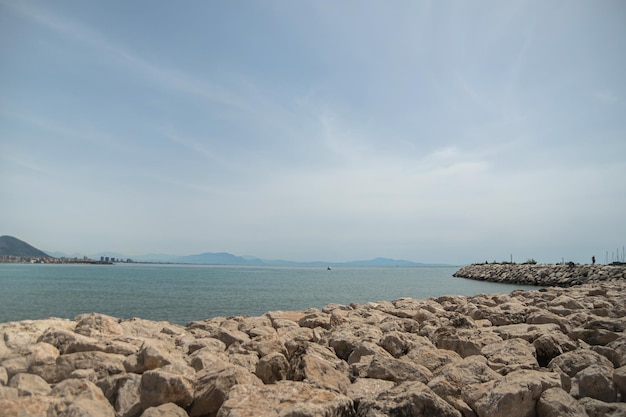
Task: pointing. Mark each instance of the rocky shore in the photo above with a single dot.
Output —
(561, 275)
(550, 352)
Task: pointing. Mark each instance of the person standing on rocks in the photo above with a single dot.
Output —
(593, 260)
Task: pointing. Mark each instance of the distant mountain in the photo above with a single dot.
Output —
(221, 258)
(11, 246)
(224, 258)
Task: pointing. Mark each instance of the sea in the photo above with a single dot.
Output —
(184, 293)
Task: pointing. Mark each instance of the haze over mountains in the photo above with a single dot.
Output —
(11, 246)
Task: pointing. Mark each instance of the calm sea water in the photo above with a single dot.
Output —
(184, 293)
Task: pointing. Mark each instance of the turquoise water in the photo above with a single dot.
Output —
(184, 293)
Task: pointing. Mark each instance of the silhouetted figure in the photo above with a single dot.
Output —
(593, 260)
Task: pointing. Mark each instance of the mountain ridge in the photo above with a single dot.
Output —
(12, 246)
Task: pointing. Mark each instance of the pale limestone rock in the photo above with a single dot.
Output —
(79, 397)
(159, 386)
(212, 388)
(597, 408)
(123, 391)
(208, 343)
(596, 382)
(29, 384)
(364, 388)
(433, 358)
(515, 395)
(345, 338)
(575, 361)
(366, 349)
(104, 364)
(97, 325)
(397, 370)
(407, 399)
(317, 365)
(555, 402)
(314, 318)
(165, 410)
(286, 398)
(619, 380)
(400, 343)
(465, 342)
(549, 346)
(510, 355)
(528, 332)
(272, 368)
(206, 358)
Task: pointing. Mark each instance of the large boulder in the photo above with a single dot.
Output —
(160, 386)
(556, 402)
(515, 395)
(212, 388)
(285, 398)
(596, 381)
(318, 365)
(510, 355)
(29, 384)
(397, 370)
(408, 399)
(272, 368)
(80, 398)
(165, 410)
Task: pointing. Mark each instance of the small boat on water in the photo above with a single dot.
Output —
(328, 268)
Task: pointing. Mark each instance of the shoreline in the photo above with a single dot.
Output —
(532, 350)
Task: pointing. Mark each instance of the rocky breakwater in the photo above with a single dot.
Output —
(554, 351)
(561, 275)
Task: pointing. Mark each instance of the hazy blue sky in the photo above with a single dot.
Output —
(443, 131)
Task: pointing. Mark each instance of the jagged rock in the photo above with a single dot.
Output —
(345, 338)
(165, 410)
(104, 364)
(407, 399)
(619, 347)
(212, 388)
(272, 368)
(314, 318)
(123, 391)
(366, 349)
(79, 398)
(575, 361)
(29, 384)
(528, 332)
(285, 398)
(319, 366)
(206, 358)
(597, 408)
(364, 388)
(510, 355)
(158, 386)
(619, 380)
(596, 382)
(400, 343)
(97, 325)
(515, 395)
(433, 359)
(454, 377)
(465, 342)
(549, 346)
(556, 402)
(397, 370)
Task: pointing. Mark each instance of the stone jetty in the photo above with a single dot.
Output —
(560, 275)
(547, 352)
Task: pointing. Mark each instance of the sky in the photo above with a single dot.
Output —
(432, 131)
